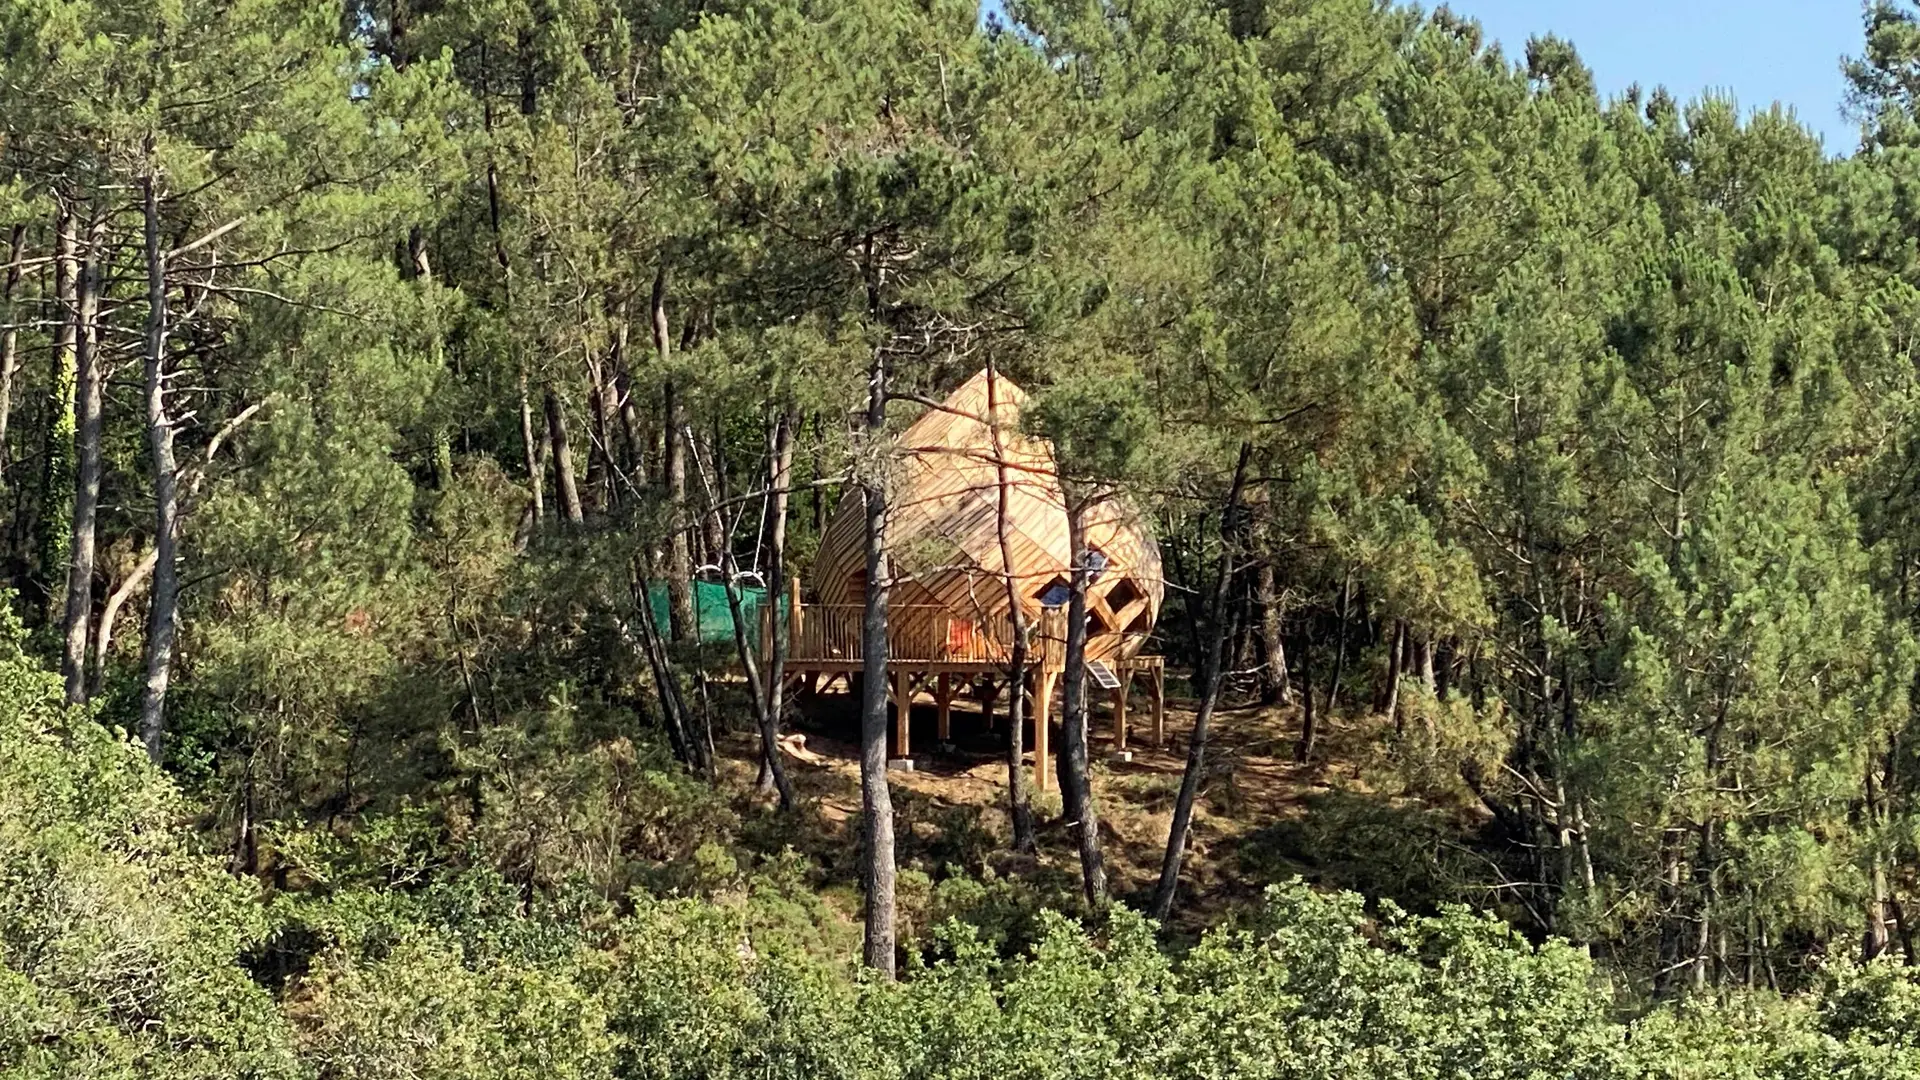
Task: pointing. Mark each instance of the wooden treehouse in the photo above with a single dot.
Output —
(949, 624)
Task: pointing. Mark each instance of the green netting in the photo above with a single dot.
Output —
(712, 615)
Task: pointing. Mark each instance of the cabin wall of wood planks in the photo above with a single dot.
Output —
(948, 611)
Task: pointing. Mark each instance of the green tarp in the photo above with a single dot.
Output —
(713, 617)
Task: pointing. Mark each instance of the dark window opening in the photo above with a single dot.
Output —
(1057, 592)
(1123, 593)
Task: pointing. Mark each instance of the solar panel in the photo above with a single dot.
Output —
(1103, 675)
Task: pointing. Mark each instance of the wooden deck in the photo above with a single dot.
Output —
(933, 651)
(827, 637)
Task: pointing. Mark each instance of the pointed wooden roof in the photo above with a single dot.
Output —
(942, 535)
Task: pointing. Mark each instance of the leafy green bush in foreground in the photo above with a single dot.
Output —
(124, 952)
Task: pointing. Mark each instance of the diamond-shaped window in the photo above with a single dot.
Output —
(1123, 593)
(1057, 592)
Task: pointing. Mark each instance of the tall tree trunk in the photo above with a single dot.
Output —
(1908, 951)
(1241, 640)
(1274, 688)
(717, 540)
(529, 443)
(1076, 787)
(57, 458)
(680, 610)
(1409, 647)
(9, 341)
(1309, 716)
(684, 618)
(1340, 647)
(1390, 694)
(876, 794)
(419, 264)
(759, 685)
(530, 448)
(673, 707)
(780, 498)
(1879, 922)
(632, 433)
(163, 610)
(1019, 801)
(762, 685)
(77, 614)
(1209, 689)
(1704, 875)
(564, 484)
(602, 462)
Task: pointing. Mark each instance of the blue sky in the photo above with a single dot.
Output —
(1760, 51)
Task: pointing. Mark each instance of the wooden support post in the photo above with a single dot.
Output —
(1157, 686)
(1120, 710)
(943, 697)
(766, 625)
(987, 697)
(902, 714)
(1042, 720)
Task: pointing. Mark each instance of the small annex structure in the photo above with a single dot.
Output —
(949, 625)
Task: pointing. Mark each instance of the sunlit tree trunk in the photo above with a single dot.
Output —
(680, 611)
(57, 455)
(1076, 788)
(1019, 801)
(89, 399)
(163, 610)
(779, 499)
(875, 791)
(1275, 688)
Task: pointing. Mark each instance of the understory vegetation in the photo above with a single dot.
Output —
(1544, 468)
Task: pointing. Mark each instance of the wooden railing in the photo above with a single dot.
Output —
(921, 634)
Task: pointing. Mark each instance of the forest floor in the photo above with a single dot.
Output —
(1343, 820)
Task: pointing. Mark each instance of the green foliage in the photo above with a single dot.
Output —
(418, 1011)
(103, 978)
(120, 942)
(1580, 431)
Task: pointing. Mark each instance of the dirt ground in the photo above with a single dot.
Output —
(1260, 817)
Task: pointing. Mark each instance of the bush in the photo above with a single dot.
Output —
(119, 942)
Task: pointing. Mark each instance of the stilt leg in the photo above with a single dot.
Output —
(1120, 712)
(943, 696)
(1042, 722)
(1158, 687)
(903, 714)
